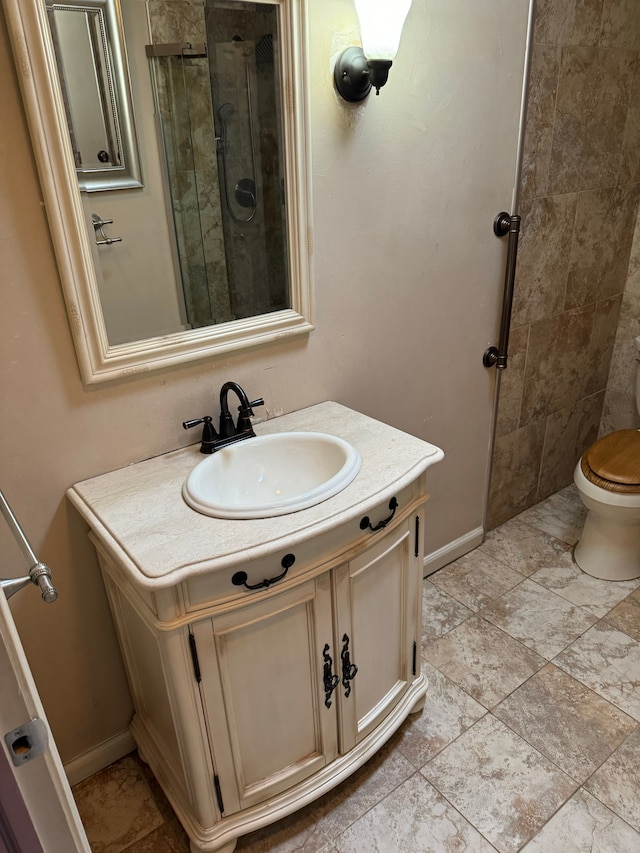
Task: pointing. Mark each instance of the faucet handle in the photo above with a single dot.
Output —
(209, 434)
(244, 423)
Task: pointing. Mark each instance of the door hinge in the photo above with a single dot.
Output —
(417, 542)
(415, 657)
(216, 785)
(194, 657)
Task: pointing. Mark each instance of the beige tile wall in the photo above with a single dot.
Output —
(577, 299)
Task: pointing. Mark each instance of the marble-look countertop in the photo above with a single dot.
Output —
(140, 515)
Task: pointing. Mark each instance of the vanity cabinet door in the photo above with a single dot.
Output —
(262, 670)
(378, 604)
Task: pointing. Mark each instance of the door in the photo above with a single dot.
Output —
(377, 607)
(36, 804)
(262, 669)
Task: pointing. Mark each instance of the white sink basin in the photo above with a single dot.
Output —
(271, 475)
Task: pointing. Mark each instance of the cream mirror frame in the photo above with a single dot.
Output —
(44, 107)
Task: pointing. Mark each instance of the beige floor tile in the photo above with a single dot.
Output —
(538, 618)
(414, 817)
(582, 824)
(562, 515)
(626, 615)
(117, 807)
(500, 784)
(161, 840)
(475, 579)
(483, 660)
(564, 720)
(448, 712)
(297, 832)
(563, 577)
(440, 612)
(608, 662)
(172, 828)
(617, 782)
(522, 547)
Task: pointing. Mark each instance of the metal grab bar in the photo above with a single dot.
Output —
(39, 573)
(505, 224)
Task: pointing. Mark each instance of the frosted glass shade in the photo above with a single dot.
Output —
(381, 23)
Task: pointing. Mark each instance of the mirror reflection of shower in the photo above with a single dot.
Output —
(245, 189)
(216, 75)
(245, 85)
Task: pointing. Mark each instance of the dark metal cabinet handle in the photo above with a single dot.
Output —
(365, 523)
(349, 670)
(240, 578)
(331, 681)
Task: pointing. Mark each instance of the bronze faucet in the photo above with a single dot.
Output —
(229, 432)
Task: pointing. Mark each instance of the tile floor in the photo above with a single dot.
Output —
(529, 740)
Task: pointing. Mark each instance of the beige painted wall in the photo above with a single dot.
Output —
(406, 302)
(138, 276)
(620, 409)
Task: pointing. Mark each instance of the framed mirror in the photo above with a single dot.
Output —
(210, 251)
(92, 69)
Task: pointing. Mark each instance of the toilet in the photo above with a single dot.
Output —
(608, 481)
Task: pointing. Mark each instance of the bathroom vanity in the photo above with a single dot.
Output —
(269, 658)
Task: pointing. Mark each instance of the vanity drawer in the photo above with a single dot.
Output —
(246, 578)
(265, 573)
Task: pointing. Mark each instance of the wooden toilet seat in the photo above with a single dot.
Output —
(613, 462)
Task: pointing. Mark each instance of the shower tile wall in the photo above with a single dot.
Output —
(193, 165)
(256, 254)
(575, 285)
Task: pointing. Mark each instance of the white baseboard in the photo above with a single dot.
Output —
(99, 757)
(448, 553)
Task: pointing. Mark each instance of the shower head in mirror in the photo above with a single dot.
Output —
(264, 50)
(226, 111)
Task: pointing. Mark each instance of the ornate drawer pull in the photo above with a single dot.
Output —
(349, 670)
(331, 681)
(240, 578)
(393, 506)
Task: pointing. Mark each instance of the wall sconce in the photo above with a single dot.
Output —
(358, 69)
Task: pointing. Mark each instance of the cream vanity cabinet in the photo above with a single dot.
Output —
(250, 703)
(295, 678)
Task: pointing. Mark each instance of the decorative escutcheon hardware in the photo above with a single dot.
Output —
(331, 681)
(366, 523)
(349, 670)
(501, 224)
(490, 356)
(240, 578)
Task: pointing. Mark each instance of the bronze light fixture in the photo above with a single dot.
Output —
(358, 70)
